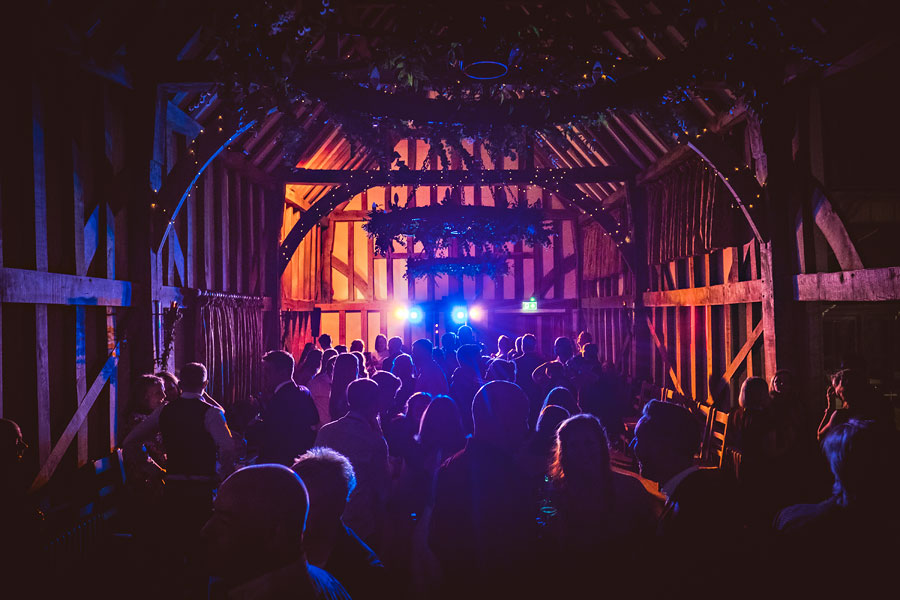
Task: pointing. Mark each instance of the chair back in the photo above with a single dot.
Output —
(717, 431)
(707, 411)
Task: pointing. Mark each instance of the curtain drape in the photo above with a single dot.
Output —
(690, 213)
(230, 344)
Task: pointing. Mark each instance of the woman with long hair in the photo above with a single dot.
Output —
(308, 368)
(601, 511)
(346, 369)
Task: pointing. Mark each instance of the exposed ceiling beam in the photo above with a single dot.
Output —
(542, 177)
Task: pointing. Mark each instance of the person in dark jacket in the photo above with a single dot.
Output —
(483, 526)
(290, 415)
(328, 542)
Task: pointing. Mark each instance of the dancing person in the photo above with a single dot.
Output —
(525, 366)
(403, 368)
(320, 386)
(429, 376)
(346, 369)
(483, 527)
(357, 346)
(325, 342)
(466, 382)
(394, 349)
(308, 367)
(290, 416)
(358, 436)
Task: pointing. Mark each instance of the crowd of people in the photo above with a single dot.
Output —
(457, 471)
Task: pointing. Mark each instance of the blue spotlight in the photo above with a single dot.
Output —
(459, 315)
(416, 315)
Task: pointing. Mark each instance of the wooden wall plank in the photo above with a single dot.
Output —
(209, 230)
(734, 293)
(862, 285)
(225, 201)
(86, 402)
(40, 228)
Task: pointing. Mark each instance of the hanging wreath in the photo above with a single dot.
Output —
(493, 265)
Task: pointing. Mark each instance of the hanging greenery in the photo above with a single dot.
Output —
(469, 226)
(493, 265)
(559, 70)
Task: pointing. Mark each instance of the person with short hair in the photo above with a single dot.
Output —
(328, 542)
(555, 373)
(289, 417)
(324, 342)
(858, 522)
(394, 349)
(429, 376)
(357, 436)
(525, 366)
(254, 539)
(449, 346)
(357, 346)
(465, 335)
(341, 349)
(502, 370)
(483, 526)
(702, 504)
(196, 437)
(403, 369)
(466, 382)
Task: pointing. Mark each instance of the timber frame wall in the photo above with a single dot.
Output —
(81, 284)
(359, 301)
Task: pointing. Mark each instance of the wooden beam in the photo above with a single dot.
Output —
(375, 178)
(37, 287)
(661, 348)
(625, 301)
(729, 293)
(739, 359)
(862, 285)
(86, 402)
(832, 227)
(181, 122)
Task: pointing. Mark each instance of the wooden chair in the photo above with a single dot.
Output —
(717, 431)
(707, 411)
(87, 520)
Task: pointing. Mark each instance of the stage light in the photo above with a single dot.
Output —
(416, 315)
(402, 313)
(459, 315)
(476, 313)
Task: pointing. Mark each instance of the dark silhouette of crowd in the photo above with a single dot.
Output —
(464, 472)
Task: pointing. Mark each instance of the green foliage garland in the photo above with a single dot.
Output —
(481, 227)
(492, 265)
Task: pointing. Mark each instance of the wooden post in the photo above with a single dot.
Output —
(274, 211)
(641, 344)
(78, 179)
(40, 232)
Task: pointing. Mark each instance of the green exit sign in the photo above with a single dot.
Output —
(530, 305)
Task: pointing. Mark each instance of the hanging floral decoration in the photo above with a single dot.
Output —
(486, 230)
(492, 265)
(170, 317)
